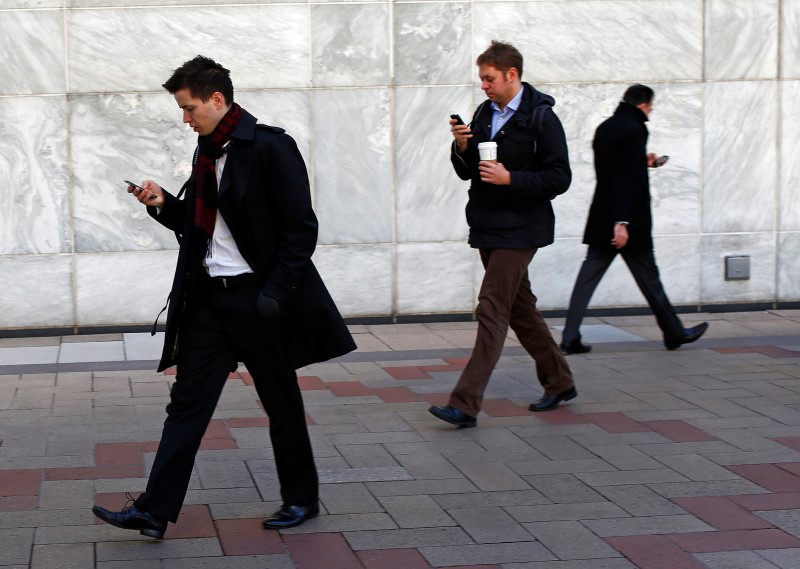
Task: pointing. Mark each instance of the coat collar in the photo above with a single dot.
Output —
(628, 110)
(531, 98)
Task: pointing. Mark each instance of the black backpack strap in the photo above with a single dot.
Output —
(536, 123)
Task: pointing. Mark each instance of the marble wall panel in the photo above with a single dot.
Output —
(138, 137)
(434, 278)
(739, 157)
(788, 264)
(32, 52)
(25, 4)
(276, 36)
(789, 191)
(36, 291)
(761, 285)
(359, 277)
(555, 268)
(430, 197)
(790, 39)
(553, 271)
(432, 44)
(125, 137)
(110, 286)
(350, 44)
(353, 165)
(162, 3)
(741, 39)
(34, 199)
(591, 41)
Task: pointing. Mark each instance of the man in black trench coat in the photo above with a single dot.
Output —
(621, 222)
(245, 290)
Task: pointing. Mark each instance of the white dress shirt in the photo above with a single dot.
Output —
(223, 258)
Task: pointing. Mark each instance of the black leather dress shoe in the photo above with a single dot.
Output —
(550, 402)
(689, 335)
(290, 516)
(575, 347)
(133, 518)
(453, 416)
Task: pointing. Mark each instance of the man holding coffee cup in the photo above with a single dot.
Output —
(514, 153)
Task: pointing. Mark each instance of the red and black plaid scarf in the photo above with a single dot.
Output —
(204, 169)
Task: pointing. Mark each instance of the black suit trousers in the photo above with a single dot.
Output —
(642, 265)
(222, 330)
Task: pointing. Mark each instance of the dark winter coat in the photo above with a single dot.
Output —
(520, 215)
(265, 200)
(623, 185)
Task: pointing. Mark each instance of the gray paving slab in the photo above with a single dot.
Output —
(570, 540)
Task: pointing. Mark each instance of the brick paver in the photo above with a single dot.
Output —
(667, 460)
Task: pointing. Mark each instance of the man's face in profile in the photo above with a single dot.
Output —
(202, 116)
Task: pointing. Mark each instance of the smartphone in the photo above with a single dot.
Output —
(660, 161)
(458, 119)
(132, 184)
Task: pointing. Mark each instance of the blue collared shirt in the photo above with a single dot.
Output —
(500, 118)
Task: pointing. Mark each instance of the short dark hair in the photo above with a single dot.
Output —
(502, 56)
(203, 77)
(638, 94)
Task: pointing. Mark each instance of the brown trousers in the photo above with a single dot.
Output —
(506, 299)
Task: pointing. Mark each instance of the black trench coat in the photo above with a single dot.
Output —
(265, 200)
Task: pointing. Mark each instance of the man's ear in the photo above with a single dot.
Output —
(219, 99)
(512, 74)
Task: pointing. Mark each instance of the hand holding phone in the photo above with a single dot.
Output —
(660, 161)
(457, 118)
(132, 184)
(137, 191)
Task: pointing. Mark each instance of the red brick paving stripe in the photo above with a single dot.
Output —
(393, 559)
(768, 476)
(396, 395)
(194, 521)
(791, 442)
(442, 368)
(438, 399)
(616, 423)
(245, 422)
(721, 513)
(110, 454)
(504, 408)
(679, 431)
(348, 389)
(246, 377)
(248, 537)
(790, 467)
(321, 551)
(458, 361)
(310, 383)
(653, 552)
(739, 540)
(18, 503)
(767, 502)
(20, 482)
(561, 416)
(217, 437)
(472, 567)
(94, 472)
(770, 351)
(150, 446)
(407, 372)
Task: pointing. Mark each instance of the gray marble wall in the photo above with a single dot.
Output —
(366, 88)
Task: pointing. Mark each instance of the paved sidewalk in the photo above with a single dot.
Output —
(667, 460)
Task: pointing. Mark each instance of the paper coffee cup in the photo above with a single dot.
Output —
(488, 151)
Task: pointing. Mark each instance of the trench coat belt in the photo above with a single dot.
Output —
(234, 282)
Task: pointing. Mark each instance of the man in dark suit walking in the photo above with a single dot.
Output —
(245, 290)
(620, 221)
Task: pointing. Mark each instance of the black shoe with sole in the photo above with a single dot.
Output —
(550, 402)
(689, 335)
(131, 517)
(290, 516)
(575, 347)
(453, 416)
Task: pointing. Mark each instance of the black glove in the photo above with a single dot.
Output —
(267, 307)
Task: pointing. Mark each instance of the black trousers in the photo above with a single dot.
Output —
(642, 265)
(223, 330)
